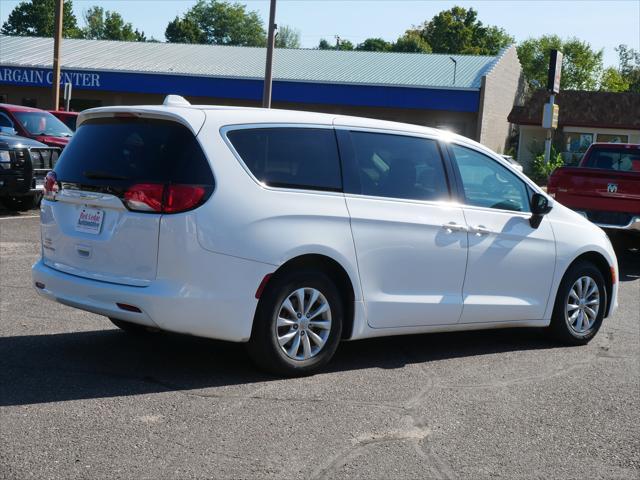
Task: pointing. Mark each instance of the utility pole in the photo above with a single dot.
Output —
(268, 71)
(455, 68)
(57, 39)
(551, 111)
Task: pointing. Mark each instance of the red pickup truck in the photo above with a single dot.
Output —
(604, 187)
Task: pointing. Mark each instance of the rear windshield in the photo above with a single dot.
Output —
(623, 160)
(120, 151)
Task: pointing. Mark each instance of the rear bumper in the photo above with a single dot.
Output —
(632, 225)
(202, 310)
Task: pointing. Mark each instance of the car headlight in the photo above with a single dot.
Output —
(5, 159)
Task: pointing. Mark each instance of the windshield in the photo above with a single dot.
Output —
(43, 123)
(624, 160)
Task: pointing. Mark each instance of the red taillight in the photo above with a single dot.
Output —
(51, 186)
(179, 198)
(146, 197)
(155, 197)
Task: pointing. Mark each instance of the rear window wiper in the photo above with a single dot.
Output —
(97, 175)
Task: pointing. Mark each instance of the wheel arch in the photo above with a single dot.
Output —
(335, 271)
(601, 263)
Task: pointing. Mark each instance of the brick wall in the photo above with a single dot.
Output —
(502, 88)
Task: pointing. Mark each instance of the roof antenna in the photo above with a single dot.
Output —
(175, 101)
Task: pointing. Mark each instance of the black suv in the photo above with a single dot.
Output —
(23, 165)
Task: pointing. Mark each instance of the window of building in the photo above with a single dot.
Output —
(609, 138)
(79, 104)
(575, 144)
(30, 102)
(304, 158)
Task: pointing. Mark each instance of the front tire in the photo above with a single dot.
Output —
(580, 305)
(298, 324)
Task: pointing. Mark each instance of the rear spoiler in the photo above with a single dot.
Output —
(191, 118)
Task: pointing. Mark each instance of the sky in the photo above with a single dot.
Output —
(603, 23)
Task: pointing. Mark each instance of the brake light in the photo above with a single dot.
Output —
(155, 197)
(51, 186)
(145, 197)
(179, 198)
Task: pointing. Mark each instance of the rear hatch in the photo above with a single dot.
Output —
(111, 186)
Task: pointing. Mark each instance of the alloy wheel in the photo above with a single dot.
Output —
(582, 305)
(303, 323)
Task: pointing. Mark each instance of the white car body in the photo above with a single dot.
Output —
(200, 274)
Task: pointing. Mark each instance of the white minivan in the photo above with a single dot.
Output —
(292, 231)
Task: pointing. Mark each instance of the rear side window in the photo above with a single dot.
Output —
(122, 151)
(304, 158)
(395, 166)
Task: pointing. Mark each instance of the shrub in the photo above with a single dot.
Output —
(541, 170)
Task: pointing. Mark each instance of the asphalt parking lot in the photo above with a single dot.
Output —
(81, 399)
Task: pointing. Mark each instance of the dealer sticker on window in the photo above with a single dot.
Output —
(90, 220)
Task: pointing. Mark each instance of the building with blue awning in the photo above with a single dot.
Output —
(469, 94)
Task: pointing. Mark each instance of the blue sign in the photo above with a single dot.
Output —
(42, 78)
(250, 89)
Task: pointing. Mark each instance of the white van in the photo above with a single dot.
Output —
(292, 231)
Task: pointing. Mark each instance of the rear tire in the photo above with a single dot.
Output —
(580, 305)
(130, 327)
(298, 324)
(20, 204)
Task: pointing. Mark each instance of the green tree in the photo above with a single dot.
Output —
(458, 30)
(345, 45)
(613, 81)
(411, 42)
(288, 37)
(324, 45)
(183, 30)
(101, 25)
(629, 63)
(341, 44)
(36, 19)
(581, 65)
(374, 45)
(218, 22)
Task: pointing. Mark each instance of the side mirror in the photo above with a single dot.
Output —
(540, 206)
(8, 130)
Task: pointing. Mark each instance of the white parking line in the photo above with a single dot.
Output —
(20, 216)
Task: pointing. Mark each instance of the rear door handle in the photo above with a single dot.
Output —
(480, 230)
(454, 227)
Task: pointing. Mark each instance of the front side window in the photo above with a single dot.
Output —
(304, 158)
(488, 184)
(397, 166)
